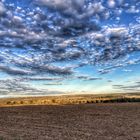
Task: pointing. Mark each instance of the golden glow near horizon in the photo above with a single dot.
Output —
(69, 46)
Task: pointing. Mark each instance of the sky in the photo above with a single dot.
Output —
(54, 47)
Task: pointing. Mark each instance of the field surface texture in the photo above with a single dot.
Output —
(112, 121)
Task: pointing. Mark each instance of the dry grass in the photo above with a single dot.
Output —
(73, 99)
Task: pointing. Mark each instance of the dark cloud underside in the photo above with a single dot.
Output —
(56, 37)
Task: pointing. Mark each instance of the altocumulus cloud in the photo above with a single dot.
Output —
(38, 36)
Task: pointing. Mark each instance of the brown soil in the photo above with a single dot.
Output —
(116, 121)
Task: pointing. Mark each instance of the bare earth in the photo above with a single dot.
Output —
(112, 121)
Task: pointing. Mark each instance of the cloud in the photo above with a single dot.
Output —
(21, 87)
(57, 37)
(45, 78)
(16, 86)
(88, 78)
(94, 78)
(103, 71)
(111, 3)
(127, 70)
(54, 84)
(109, 81)
(73, 16)
(40, 45)
(56, 70)
(133, 87)
(14, 71)
(2, 9)
(74, 8)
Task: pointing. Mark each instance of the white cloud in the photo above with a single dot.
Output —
(33, 39)
(2, 8)
(111, 3)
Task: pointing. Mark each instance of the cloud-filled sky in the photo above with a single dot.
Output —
(69, 46)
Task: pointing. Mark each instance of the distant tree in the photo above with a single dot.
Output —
(21, 102)
(8, 102)
(53, 101)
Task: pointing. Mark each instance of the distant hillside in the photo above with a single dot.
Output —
(71, 99)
